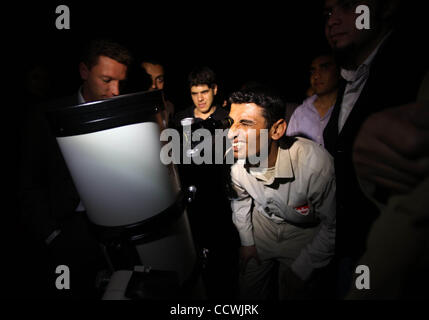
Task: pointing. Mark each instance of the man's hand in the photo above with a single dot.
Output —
(247, 253)
(392, 148)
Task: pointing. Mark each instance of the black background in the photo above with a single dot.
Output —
(263, 41)
(258, 41)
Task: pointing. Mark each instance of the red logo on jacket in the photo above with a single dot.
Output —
(304, 210)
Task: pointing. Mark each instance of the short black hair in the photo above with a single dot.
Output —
(202, 75)
(265, 97)
(108, 48)
(153, 61)
(322, 52)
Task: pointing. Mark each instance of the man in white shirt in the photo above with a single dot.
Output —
(284, 211)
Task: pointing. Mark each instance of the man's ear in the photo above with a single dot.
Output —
(215, 89)
(84, 71)
(278, 129)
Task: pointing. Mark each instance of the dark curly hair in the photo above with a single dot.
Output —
(202, 76)
(270, 101)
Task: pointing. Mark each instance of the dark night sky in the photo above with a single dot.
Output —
(267, 41)
(251, 41)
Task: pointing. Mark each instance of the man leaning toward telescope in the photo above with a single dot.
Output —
(284, 205)
(50, 207)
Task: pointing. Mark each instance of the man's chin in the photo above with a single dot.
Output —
(99, 98)
(340, 46)
(203, 110)
(239, 156)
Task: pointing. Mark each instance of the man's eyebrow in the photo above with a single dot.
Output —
(328, 7)
(247, 121)
(202, 91)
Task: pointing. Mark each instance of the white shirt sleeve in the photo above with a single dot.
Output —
(241, 211)
(320, 250)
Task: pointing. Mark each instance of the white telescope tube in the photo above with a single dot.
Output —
(119, 175)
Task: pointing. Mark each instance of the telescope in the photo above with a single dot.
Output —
(133, 201)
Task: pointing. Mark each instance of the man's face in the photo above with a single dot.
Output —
(203, 97)
(156, 71)
(323, 75)
(245, 132)
(340, 25)
(103, 79)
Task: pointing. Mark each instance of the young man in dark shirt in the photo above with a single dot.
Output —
(203, 89)
(210, 213)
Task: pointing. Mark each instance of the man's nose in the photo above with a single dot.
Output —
(232, 132)
(334, 18)
(153, 87)
(114, 89)
(316, 75)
